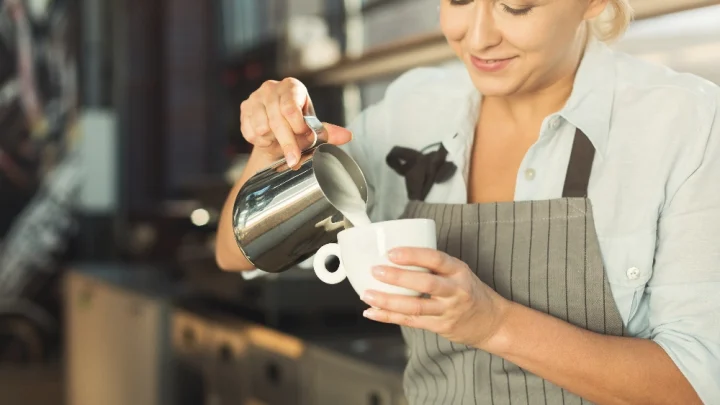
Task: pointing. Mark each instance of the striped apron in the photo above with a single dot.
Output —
(542, 254)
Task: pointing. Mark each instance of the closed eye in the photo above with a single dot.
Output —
(517, 11)
(506, 8)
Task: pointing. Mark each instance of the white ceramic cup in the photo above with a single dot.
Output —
(361, 248)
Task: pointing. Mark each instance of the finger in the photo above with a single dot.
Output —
(338, 135)
(427, 283)
(247, 128)
(403, 304)
(258, 119)
(254, 125)
(434, 260)
(282, 131)
(293, 97)
(384, 316)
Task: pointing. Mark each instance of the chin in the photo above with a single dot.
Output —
(495, 86)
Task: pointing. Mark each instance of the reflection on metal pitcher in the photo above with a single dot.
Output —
(282, 216)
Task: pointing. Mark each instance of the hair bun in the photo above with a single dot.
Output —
(612, 23)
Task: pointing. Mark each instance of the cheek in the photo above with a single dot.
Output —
(528, 36)
(451, 29)
(540, 41)
(453, 25)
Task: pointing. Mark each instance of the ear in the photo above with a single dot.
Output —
(595, 8)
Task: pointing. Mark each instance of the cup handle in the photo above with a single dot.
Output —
(331, 249)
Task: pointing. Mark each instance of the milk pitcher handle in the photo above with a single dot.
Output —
(319, 132)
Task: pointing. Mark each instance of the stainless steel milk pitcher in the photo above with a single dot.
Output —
(281, 216)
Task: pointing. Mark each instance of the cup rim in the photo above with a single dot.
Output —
(350, 231)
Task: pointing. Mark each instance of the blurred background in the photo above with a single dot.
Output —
(119, 140)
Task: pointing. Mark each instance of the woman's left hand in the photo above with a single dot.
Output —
(461, 308)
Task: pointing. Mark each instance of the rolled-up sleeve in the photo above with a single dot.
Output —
(684, 292)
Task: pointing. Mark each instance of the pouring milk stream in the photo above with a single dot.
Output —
(340, 189)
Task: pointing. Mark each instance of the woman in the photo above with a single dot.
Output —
(579, 235)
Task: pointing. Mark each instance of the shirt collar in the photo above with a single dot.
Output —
(460, 132)
(589, 107)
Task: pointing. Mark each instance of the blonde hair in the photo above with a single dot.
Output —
(612, 23)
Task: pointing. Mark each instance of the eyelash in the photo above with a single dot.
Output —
(517, 11)
(507, 9)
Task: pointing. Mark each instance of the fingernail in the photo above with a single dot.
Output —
(368, 296)
(291, 159)
(368, 313)
(393, 254)
(379, 271)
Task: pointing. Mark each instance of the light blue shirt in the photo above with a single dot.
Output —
(655, 185)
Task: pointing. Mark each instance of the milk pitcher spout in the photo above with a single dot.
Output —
(281, 216)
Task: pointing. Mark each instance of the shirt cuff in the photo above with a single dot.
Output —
(257, 273)
(253, 274)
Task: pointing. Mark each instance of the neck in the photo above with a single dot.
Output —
(532, 107)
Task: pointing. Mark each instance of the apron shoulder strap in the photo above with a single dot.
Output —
(577, 177)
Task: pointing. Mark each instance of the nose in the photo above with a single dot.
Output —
(482, 30)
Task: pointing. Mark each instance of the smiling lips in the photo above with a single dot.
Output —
(490, 65)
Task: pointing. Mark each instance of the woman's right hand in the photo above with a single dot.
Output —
(271, 119)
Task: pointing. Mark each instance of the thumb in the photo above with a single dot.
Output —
(338, 135)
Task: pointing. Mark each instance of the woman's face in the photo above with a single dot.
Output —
(512, 47)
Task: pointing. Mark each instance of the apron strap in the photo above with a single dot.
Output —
(577, 177)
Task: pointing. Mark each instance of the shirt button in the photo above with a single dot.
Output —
(633, 273)
(555, 123)
(530, 174)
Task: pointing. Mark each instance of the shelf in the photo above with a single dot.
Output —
(653, 8)
(432, 49)
(394, 58)
(375, 5)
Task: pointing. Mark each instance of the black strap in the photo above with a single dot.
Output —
(402, 159)
(421, 171)
(577, 177)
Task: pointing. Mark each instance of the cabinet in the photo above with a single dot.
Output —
(191, 343)
(335, 379)
(228, 369)
(116, 347)
(128, 346)
(274, 378)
